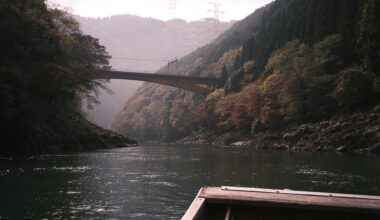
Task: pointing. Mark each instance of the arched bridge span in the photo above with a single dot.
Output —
(190, 83)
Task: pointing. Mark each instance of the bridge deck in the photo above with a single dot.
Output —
(184, 82)
(150, 77)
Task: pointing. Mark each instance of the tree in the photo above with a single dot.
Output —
(224, 75)
(369, 35)
(46, 66)
(328, 54)
(354, 89)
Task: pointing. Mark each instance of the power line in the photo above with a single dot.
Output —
(135, 70)
(140, 59)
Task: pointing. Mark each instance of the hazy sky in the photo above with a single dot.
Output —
(185, 9)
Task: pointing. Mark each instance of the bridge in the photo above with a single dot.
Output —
(190, 83)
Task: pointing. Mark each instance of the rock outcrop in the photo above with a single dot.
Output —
(359, 132)
(233, 82)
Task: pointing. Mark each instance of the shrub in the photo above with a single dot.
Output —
(354, 88)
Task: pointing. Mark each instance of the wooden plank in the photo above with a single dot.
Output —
(306, 193)
(293, 200)
(195, 208)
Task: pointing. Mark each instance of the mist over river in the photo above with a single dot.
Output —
(160, 181)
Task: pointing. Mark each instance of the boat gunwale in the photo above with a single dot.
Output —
(296, 192)
(283, 199)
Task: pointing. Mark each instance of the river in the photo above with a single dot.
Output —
(159, 182)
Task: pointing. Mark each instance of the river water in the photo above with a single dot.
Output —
(159, 182)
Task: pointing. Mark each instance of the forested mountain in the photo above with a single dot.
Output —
(46, 67)
(142, 44)
(298, 69)
(147, 114)
(310, 22)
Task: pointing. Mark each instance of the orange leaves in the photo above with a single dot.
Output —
(240, 118)
(254, 103)
(225, 106)
(180, 117)
(138, 103)
(240, 109)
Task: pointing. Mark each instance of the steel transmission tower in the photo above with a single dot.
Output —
(172, 9)
(216, 10)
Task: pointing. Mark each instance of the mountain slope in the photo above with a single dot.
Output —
(145, 114)
(301, 62)
(142, 44)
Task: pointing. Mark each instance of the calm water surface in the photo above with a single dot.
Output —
(159, 182)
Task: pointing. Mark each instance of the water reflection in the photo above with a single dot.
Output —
(159, 182)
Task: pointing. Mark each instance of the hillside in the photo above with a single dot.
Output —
(139, 119)
(142, 44)
(297, 71)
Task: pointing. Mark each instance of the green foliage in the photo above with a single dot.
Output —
(368, 44)
(311, 21)
(295, 88)
(228, 59)
(298, 86)
(46, 66)
(53, 83)
(248, 66)
(216, 59)
(376, 84)
(295, 53)
(354, 88)
(215, 96)
(152, 114)
(181, 118)
(223, 75)
(328, 54)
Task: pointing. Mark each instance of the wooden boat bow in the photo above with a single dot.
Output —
(251, 201)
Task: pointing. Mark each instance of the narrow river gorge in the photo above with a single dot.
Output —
(160, 181)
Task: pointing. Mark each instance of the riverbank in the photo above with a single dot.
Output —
(99, 138)
(75, 135)
(358, 132)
